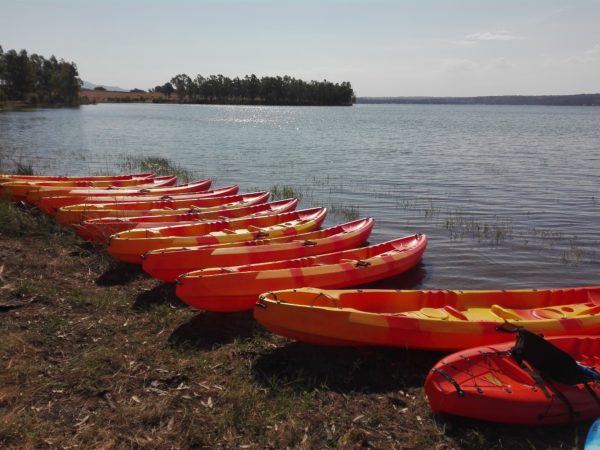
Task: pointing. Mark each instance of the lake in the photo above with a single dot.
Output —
(509, 196)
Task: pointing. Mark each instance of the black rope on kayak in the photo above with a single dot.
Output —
(261, 299)
(323, 294)
(450, 380)
(592, 392)
(538, 380)
(565, 400)
(471, 374)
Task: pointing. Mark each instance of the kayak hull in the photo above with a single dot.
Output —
(429, 320)
(237, 288)
(494, 387)
(50, 200)
(130, 206)
(130, 245)
(99, 230)
(168, 264)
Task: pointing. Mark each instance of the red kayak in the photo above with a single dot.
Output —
(229, 289)
(50, 200)
(69, 215)
(98, 230)
(167, 264)
(11, 177)
(535, 382)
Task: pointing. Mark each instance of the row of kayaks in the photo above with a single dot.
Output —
(226, 250)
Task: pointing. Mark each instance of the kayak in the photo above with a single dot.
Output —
(17, 190)
(7, 177)
(526, 383)
(130, 245)
(97, 230)
(134, 206)
(227, 289)
(167, 264)
(37, 192)
(47, 200)
(430, 320)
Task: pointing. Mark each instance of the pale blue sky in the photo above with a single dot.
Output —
(384, 48)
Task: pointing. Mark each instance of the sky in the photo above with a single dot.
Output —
(383, 47)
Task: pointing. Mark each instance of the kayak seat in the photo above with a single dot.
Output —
(455, 312)
(589, 311)
(504, 313)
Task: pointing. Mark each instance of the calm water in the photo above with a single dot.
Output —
(509, 196)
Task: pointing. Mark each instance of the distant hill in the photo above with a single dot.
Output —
(88, 85)
(551, 100)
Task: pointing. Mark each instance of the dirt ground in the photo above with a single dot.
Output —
(95, 354)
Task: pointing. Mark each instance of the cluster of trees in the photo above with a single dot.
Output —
(35, 79)
(253, 90)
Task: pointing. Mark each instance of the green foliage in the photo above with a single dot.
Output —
(24, 169)
(252, 90)
(16, 222)
(283, 192)
(160, 166)
(35, 79)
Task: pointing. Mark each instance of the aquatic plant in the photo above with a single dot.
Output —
(285, 191)
(157, 164)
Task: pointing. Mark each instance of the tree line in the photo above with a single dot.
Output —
(548, 100)
(37, 80)
(252, 90)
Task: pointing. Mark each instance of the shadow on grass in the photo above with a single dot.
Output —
(163, 294)
(477, 434)
(120, 273)
(207, 329)
(344, 369)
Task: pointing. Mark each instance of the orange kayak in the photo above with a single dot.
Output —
(98, 230)
(167, 264)
(130, 206)
(48, 200)
(525, 383)
(429, 320)
(11, 177)
(131, 245)
(237, 288)
(17, 190)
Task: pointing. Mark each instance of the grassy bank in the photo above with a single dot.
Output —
(95, 354)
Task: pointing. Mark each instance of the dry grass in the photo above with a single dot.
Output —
(95, 354)
(93, 96)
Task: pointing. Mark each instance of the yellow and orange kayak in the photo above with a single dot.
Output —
(237, 288)
(131, 245)
(431, 320)
(12, 177)
(48, 200)
(99, 230)
(17, 190)
(130, 206)
(167, 264)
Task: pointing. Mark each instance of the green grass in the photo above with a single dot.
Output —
(159, 165)
(19, 221)
(282, 192)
